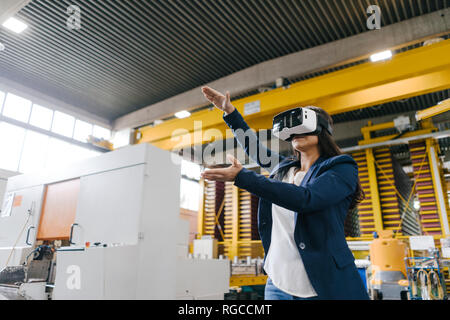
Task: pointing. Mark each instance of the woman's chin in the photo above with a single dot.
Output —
(298, 141)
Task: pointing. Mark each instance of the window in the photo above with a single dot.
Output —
(189, 194)
(2, 98)
(190, 190)
(79, 153)
(62, 154)
(59, 154)
(102, 133)
(11, 142)
(41, 117)
(24, 149)
(121, 138)
(190, 169)
(63, 124)
(82, 130)
(17, 108)
(34, 154)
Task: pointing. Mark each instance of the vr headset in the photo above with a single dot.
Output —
(299, 122)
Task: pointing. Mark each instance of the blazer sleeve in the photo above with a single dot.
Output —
(328, 189)
(250, 142)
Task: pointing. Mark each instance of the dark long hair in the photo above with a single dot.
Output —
(327, 148)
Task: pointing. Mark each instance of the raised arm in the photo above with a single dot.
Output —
(245, 136)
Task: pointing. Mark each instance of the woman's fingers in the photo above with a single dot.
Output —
(226, 174)
(214, 97)
(215, 174)
(208, 95)
(210, 98)
(231, 159)
(212, 94)
(215, 171)
(211, 91)
(218, 178)
(215, 177)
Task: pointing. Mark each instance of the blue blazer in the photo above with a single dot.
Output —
(320, 203)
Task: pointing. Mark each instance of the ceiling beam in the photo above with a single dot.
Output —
(311, 60)
(412, 73)
(443, 106)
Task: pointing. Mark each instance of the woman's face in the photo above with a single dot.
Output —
(304, 143)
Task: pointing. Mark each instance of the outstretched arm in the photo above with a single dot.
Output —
(330, 188)
(246, 137)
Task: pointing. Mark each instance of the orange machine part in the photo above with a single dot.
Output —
(58, 210)
(388, 254)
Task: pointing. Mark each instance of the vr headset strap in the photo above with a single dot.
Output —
(325, 124)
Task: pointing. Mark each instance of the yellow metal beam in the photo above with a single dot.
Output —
(201, 210)
(247, 280)
(375, 197)
(412, 73)
(390, 137)
(444, 106)
(432, 153)
(234, 246)
(375, 127)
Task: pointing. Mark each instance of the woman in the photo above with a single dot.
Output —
(302, 210)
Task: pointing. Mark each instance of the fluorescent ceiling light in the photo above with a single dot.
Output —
(15, 25)
(384, 55)
(182, 114)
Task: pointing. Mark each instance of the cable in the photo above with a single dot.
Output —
(219, 213)
(413, 283)
(427, 279)
(425, 285)
(389, 180)
(438, 284)
(410, 128)
(409, 197)
(30, 213)
(407, 209)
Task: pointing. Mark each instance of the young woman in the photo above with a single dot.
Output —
(301, 213)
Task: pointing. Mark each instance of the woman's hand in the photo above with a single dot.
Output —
(227, 174)
(222, 102)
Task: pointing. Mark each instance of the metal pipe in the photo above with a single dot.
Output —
(435, 135)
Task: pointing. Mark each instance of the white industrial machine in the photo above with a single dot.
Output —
(4, 176)
(105, 228)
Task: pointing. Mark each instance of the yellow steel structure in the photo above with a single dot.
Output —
(374, 195)
(415, 72)
(444, 106)
(247, 280)
(429, 181)
(234, 246)
(437, 178)
(238, 222)
(379, 210)
(412, 73)
(373, 213)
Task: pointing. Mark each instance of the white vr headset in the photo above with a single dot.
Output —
(298, 122)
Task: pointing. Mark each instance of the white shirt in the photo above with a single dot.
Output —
(283, 263)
